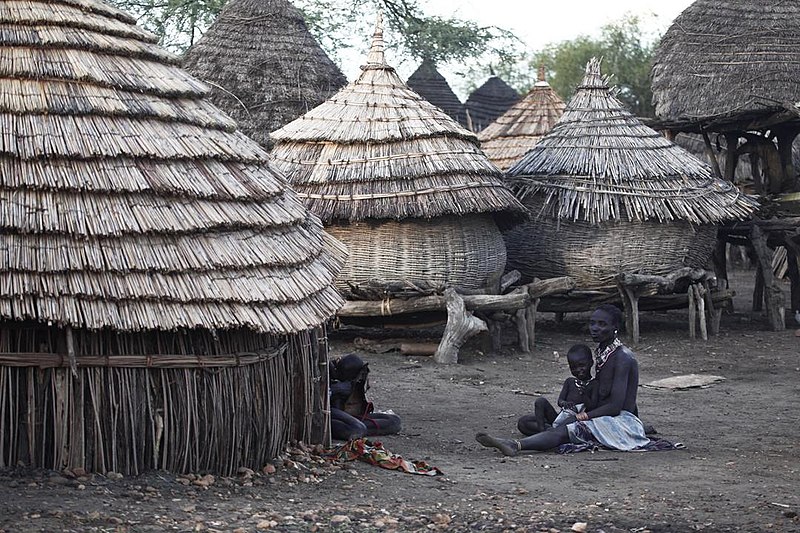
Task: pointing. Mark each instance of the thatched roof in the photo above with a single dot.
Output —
(599, 163)
(518, 130)
(488, 102)
(264, 66)
(433, 87)
(129, 201)
(730, 58)
(378, 150)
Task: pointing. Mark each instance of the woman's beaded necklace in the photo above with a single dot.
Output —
(601, 356)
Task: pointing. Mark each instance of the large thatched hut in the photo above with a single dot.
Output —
(400, 183)
(264, 66)
(518, 130)
(162, 285)
(488, 102)
(610, 195)
(429, 83)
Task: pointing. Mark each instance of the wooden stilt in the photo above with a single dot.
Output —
(699, 292)
(520, 317)
(773, 296)
(461, 325)
(713, 312)
(793, 257)
(758, 291)
(495, 324)
(530, 321)
(692, 313)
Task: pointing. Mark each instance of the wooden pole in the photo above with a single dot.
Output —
(692, 313)
(520, 318)
(712, 157)
(461, 325)
(699, 292)
(773, 296)
(731, 156)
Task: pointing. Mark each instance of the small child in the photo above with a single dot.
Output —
(578, 393)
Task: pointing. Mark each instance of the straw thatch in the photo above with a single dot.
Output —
(488, 102)
(600, 167)
(138, 223)
(723, 59)
(433, 87)
(518, 130)
(264, 65)
(378, 152)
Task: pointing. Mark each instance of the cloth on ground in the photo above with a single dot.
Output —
(374, 453)
(655, 445)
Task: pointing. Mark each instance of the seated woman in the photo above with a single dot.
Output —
(352, 416)
(613, 422)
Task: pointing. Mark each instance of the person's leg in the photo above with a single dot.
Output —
(528, 425)
(382, 424)
(543, 441)
(346, 427)
(544, 411)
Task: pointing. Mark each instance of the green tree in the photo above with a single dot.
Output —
(178, 23)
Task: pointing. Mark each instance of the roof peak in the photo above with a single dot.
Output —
(376, 57)
(593, 78)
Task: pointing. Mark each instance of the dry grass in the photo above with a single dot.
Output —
(433, 87)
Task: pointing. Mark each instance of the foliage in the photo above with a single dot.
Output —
(626, 54)
(178, 23)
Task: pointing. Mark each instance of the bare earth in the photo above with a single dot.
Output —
(740, 470)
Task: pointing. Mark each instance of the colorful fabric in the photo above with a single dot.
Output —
(374, 453)
(622, 432)
(601, 356)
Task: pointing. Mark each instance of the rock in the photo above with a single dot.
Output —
(81, 486)
(340, 519)
(579, 527)
(246, 472)
(205, 481)
(79, 472)
(441, 519)
(114, 476)
(269, 469)
(266, 524)
(789, 514)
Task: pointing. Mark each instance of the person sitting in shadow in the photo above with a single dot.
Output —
(352, 416)
(578, 394)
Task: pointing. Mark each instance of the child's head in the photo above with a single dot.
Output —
(580, 361)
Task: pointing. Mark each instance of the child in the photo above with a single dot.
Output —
(578, 393)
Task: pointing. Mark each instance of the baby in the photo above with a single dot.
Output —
(578, 393)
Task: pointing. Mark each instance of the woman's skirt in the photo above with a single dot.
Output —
(622, 432)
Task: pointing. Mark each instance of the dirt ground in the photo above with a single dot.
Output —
(740, 470)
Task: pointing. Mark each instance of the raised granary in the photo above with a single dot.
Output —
(163, 288)
(264, 66)
(401, 184)
(433, 87)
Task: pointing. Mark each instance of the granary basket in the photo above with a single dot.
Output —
(466, 252)
(593, 254)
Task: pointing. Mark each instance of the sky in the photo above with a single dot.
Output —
(536, 22)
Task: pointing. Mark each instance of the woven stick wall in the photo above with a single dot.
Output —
(733, 58)
(377, 151)
(600, 167)
(264, 65)
(516, 131)
(131, 205)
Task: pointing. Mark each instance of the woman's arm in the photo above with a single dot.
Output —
(612, 405)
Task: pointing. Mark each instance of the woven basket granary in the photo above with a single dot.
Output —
(400, 182)
(164, 291)
(608, 195)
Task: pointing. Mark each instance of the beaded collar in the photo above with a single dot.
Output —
(601, 356)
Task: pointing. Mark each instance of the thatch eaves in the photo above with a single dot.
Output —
(600, 163)
(486, 103)
(129, 202)
(264, 65)
(432, 86)
(518, 130)
(378, 150)
(723, 59)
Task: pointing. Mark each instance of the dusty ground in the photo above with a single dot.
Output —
(739, 471)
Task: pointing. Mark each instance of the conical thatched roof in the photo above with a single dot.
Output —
(728, 58)
(263, 64)
(488, 102)
(129, 201)
(433, 87)
(600, 163)
(518, 130)
(378, 150)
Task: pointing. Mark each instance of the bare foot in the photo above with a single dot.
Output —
(506, 446)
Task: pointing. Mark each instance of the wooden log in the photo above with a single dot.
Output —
(540, 288)
(664, 283)
(773, 295)
(508, 279)
(461, 325)
(692, 314)
(699, 299)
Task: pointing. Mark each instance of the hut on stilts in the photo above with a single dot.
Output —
(163, 288)
(609, 195)
(488, 102)
(731, 69)
(264, 66)
(400, 183)
(516, 131)
(429, 83)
